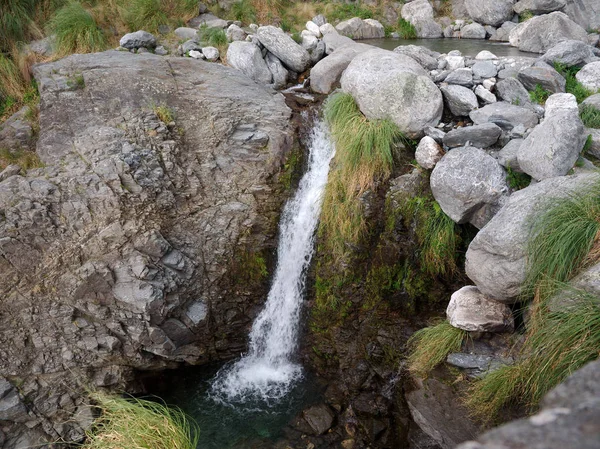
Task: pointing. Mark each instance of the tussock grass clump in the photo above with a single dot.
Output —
(566, 239)
(365, 153)
(16, 22)
(560, 340)
(590, 116)
(406, 30)
(12, 83)
(139, 424)
(430, 346)
(145, 15)
(244, 11)
(539, 95)
(213, 36)
(572, 86)
(76, 30)
(344, 11)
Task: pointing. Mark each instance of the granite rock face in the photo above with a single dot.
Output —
(117, 255)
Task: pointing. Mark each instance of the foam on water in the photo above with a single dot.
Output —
(267, 372)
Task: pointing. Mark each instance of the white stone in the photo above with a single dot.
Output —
(472, 311)
(313, 28)
(196, 54)
(485, 95)
(211, 53)
(560, 102)
(484, 54)
(489, 83)
(327, 29)
(428, 153)
(455, 62)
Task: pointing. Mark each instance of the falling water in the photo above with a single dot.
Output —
(267, 372)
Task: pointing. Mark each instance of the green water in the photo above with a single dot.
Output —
(231, 426)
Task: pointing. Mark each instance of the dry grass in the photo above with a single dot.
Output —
(23, 158)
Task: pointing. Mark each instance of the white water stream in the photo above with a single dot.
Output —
(267, 372)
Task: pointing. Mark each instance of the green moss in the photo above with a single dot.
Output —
(525, 16)
(291, 170)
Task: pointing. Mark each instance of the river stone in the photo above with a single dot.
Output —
(546, 77)
(480, 136)
(319, 418)
(211, 53)
(417, 9)
(186, 33)
(235, 33)
(568, 419)
(473, 31)
(485, 55)
(484, 69)
(462, 77)
(435, 133)
(280, 74)
(538, 7)
(325, 75)
(589, 76)
(333, 41)
(459, 99)
(139, 39)
(570, 53)
(505, 115)
(472, 311)
(465, 180)
(424, 56)
(427, 29)
(292, 55)
(512, 91)
(507, 156)
(593, 101)
(560, 103)
(455, 62)
(389, 85)
(247, 57)
(490, 12)
(349, 28)
(372, 29)
(496, 258)
(485, 95)
(586, 13)
(553, 147)
(313, 28)
(502, 34)
(539, 34)
(309, 40)
(428, 153)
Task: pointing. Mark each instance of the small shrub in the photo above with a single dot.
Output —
(588, 144)
(215, 37)
(430, 346)
(76, 30)
(164, 113)
(244, 11)
(137, 423)
(406, 30)
(590, 116)
(539, 95)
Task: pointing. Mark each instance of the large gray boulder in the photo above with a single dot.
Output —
(502, 34)
(568, 418)
(480, 136)
(589, 76)
(496, 258)
(420, 14)
(291, 54)
(472, 311)
(466, 180)
(357, 28)
(539, 34)
(473, 31)
(484, 69)
(139, 39)
(505, 115)
(554, 146)
(546, 77)
(325, 75)
(512, 91)
(538, 7)
(570, 53)
(427, 58)
(116, 255)
(586, 13)
(462, 77)
(459, 99)
(334, 40)
(390, 85)
(280, 74)
(490, 12)
(247, 58)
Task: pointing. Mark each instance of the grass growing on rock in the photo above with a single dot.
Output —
(590, 116)
(23, 158)
(406, 30)
(344, 11)
(430, 346)
(139, 424)
(539, 95)
(76, 30)
(213, 36)
(566, 239)
(244, 11)
(560, 340)
(572, 85)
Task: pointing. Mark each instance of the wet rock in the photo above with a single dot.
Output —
(247, 58)
(292, 55)
(546, 77)
(490, 12)
(495, 260)
(589, 76)
(460, 100)
(480, 136)
(472, 311)
(389, 85)
(319, 418)
(474, 363)
(505, 115)
(428, 153)
(466, 180)
(139, 39)
(539, 34)
(325, 75)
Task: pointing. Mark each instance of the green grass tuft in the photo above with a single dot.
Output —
(566, 238)
(572, 86)
(516, 180)
(16, 22)
(139, 424)
(345, 11)
(244, 11)
(525, 16)
(215, 37)
(164, 113)
(539, 95)
(590, 116)
(145, 15)
(76, 30)
(430, 346)
(406, 30)
(23, 158)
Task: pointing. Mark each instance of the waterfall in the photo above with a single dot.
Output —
(267, 372)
